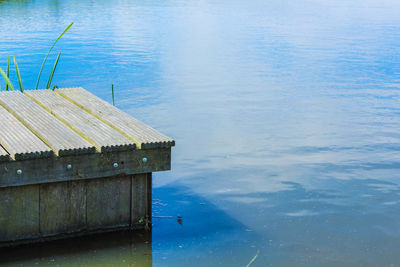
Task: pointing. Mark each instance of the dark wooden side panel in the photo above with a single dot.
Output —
(62, 207)
(19, 212)
(149, 208)
(141, 199)
(83, 167)
(108, 202)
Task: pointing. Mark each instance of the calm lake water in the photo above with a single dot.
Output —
(286, 116)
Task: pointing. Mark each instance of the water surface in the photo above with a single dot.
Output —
(286, 117)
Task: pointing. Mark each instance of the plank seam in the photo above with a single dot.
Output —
(40, 215)
(99, 118)
(98, 148)
(130, 203)
(5, 157)
(86, 183)
(7, 149)
(27, 126)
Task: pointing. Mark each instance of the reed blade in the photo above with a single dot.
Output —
(21, 87)
(51, 48)
(8, 82)
(253, 259)
(52, 71)
(8, 70)
(112, 93)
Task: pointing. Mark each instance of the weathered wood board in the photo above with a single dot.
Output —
(48, 211)
(108, 202)
(99, 134)
(141, 189)
(19, 213)
(70, 134)
(90, 166)
(142, 134)
(58, 136)
(62, 207)
(72, 164)
(18, 140)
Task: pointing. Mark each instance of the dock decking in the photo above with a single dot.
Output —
(72, 163)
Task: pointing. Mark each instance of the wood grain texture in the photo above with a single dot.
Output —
(141, 199)
(62, 207)
(149, 196)
(88, 166)
(143, 135)
(19, 212)
(20, 142)
(73, 208)
(108, 202)
(60, 138)
(52, 181)
(99, 134)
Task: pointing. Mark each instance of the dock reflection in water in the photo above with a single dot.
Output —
(123, 248)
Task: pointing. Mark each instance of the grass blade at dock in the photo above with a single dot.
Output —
(51, 48)
(8, 70)
(21, 87)
(8, 82)
(52, 71)
(112, 93)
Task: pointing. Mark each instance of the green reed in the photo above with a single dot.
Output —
(253, 259)
(8, 82)
(6, 74)
(8, 70)
(52, 71)
(51, 48)
(112, 93)
(21, 87)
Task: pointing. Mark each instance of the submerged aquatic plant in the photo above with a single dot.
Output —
(253, 259)
(6, 75)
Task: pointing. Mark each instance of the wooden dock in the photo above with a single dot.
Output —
(72, 164)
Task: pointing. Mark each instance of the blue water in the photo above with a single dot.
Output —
(286, 116)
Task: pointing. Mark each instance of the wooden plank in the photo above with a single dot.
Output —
(108, 202)
(4, 156)
(141, 200)
(102, 136)
(143, 135)
(149, 202)
(18, 140)
(19, 212)
(61, 139)
(88, 166)
(62, 207)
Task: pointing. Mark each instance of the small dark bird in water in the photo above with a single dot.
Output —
(179, 220)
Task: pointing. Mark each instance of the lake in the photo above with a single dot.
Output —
(286, 116)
